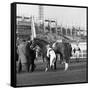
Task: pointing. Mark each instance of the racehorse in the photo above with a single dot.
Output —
(42, 44)
(64, 49)
(29, 55)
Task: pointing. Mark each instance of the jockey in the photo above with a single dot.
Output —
(51, 54)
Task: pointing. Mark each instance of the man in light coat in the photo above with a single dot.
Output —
(51, 54)
(22, 56)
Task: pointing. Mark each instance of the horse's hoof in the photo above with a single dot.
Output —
(66, 66)
(46, 69)
(51, 67)
(30, 71)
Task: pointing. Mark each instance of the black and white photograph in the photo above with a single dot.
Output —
(51, 44)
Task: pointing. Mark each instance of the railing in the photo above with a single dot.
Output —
(82, 54)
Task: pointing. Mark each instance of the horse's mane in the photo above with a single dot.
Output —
(41, 40)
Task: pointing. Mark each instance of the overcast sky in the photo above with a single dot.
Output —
(66, 16)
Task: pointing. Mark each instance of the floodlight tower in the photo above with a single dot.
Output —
(41, 15)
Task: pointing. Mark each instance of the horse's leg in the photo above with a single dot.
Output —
(43, 57)
(31, 68)
(46, 69)
(47, 64)
(32, 65)
(66, 64)
(55, 65)
(28, 63)
(28, 67)
(55, 62)
(61, 58)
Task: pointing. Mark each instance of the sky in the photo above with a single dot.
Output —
(66, 16)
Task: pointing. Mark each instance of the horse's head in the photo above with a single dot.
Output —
(34, 43)
(40, 42)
